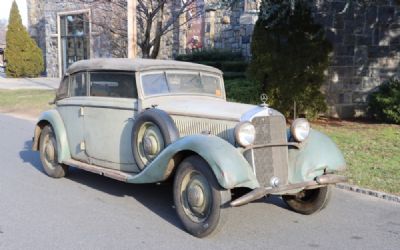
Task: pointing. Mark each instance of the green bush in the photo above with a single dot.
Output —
(289, 59)
(24, 58)
(242, 90)
(384, 104)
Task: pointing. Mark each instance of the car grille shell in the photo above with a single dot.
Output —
(270, 161)
(267, 162)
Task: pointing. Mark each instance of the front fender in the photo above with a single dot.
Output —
(54, 118)
(317, 154)
(229, 166)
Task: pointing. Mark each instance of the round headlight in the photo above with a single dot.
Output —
(300, 129)
(245, 134)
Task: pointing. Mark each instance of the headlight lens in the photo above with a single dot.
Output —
(300, 129)
(245, 134)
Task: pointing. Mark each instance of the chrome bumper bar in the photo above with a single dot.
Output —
(262, 191)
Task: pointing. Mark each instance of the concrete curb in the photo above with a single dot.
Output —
(370, 192)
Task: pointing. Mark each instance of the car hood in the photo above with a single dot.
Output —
(206, 107)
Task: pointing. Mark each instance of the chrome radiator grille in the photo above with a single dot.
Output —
(269, 161)
(192, 125)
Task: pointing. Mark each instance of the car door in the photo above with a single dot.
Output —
(70, 109)
(108, 119)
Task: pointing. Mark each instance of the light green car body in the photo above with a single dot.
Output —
(318, 154)
(106, 125)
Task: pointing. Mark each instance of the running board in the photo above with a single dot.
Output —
(111, 173)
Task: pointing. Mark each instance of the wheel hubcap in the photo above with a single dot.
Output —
(150, 142)
(196, 196)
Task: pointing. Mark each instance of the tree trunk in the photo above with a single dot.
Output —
(157, 37)
(145, 45)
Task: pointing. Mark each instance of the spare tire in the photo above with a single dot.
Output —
(152, 131)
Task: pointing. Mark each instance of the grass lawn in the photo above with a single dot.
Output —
(372, 153)
(26, 102)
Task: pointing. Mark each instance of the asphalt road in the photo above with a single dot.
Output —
(87, 211)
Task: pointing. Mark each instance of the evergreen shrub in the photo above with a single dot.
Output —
(24, 57)
(384, 104)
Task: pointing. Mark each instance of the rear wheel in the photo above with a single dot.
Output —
(309, 201)
(199, 200)
(49, 154)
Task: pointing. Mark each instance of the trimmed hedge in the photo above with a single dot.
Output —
(232, 64)
(210, 55)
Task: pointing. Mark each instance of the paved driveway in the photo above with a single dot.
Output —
(88, 211)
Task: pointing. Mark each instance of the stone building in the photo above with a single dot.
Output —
(72, 30)
(365, 38)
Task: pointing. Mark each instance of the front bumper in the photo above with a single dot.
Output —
(263, 191)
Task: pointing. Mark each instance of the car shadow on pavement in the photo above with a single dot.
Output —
(157, 198)
(32, 157)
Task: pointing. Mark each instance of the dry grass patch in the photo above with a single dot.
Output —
(26, 102)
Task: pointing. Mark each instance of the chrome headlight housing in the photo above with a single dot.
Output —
(300, 129)
(245, 134)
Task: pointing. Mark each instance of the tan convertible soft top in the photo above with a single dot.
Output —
(125, 64)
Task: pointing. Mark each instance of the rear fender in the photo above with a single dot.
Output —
(53, 118)
(228, 164)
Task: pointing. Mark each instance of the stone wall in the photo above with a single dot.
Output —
(230, 28)
(366, 50)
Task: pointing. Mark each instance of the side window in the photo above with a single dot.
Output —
(62, 90)
(78, 85)
(113, 84)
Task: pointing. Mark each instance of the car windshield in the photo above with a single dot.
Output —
(162, 83)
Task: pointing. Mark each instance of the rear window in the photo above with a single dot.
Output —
(106, 84)
(62, 91)
(78, 85)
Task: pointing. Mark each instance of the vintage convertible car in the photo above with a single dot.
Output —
(145, 121)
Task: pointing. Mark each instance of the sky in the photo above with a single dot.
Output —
(5, 6)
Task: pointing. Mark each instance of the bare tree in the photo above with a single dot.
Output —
(155, 18)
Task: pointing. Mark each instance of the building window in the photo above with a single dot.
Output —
(75, 40)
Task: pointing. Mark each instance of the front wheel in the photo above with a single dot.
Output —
(309, 201)
(48, 154)
(199, 200)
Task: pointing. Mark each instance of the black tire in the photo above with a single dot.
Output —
(309, 201)
(48, 154)
(212, 210)
(165, 133)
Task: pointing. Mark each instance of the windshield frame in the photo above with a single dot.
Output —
(175, 71)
